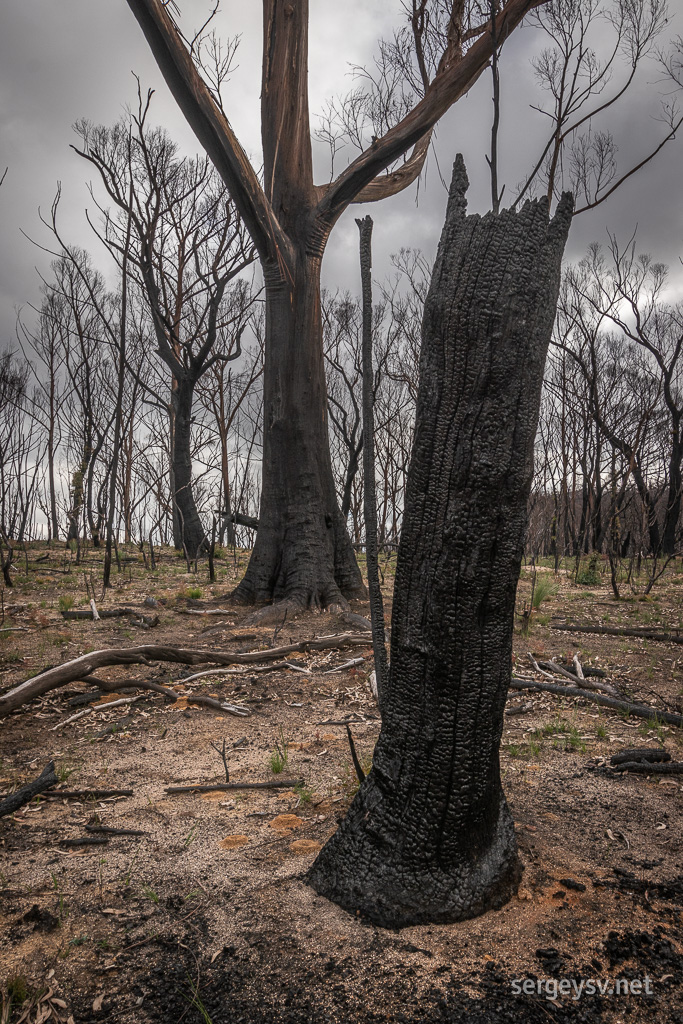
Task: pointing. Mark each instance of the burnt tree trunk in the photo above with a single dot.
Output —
(429, 836)
(302, 552)
(189, 534)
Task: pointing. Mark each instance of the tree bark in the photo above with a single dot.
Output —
(369, 496)
(302, 552)
(191, 535)
(429, 837)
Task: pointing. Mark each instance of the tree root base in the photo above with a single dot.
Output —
(369, 874)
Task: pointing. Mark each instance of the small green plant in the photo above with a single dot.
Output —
(573, 740)
(601, 732)
(80, 940)
(513, 750)
(534, 748)
(280, 756)
(65, 603)
(195, 1001)
(129, 873)
(542, 587)
(17, 989)
(194, 593)
(15, 996)
(190, 837)
(63, 772)
(150, 894)
(545, 587)
(303, 793)
(589, 575)
(62, 909)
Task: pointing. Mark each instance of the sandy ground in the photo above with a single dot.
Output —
(207, 916)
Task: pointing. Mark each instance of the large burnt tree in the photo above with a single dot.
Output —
(429, 836)
(302, 552)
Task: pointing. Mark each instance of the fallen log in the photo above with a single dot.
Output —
(106, 830)
(87, 794)
(638, 710)
(520, 709)
(221, 786)
(641, 634)
(649, 754)
(644, 768)
(112, 613)
(25, 794)
(215, 611)
(81, 668)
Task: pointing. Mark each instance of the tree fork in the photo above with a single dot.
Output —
(429, 837)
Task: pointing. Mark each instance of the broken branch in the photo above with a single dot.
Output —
(81, 668)
(25, 794)
(638, 710)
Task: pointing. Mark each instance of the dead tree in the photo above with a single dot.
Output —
(429, 836)
(187, 247)
(302, 552)
(371, 553)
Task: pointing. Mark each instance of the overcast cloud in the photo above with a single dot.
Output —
(62, 61)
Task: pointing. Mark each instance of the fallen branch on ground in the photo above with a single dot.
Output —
(552, 666)
(84, 841)
(87, 794)
(520, 709)
(101, 707)
(220, 786)
(25, 794)
(214, 611)
(347, 664)
(638, 710)
(111, 613)
(81, 668)
(642, 634)
(649, 754)
(106, 830)
(645, 768)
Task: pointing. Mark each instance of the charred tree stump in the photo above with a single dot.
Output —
(429, 837)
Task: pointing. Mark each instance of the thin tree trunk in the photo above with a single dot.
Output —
(429, 836)
(118, 421)
(370, 499)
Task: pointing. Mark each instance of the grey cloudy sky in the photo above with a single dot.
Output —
(61, 60)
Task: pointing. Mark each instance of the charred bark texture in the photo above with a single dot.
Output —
(369, 496)
(303, 553)
(191, 536)
(429, 836)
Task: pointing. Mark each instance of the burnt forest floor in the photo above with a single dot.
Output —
(206, 916)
